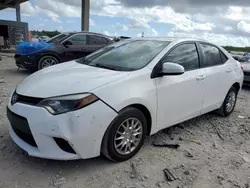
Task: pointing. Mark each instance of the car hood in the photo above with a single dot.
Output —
(246, 66)
(66, 78)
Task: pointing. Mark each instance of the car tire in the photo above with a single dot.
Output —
(47, 61)
(129, 117)
(229, 103)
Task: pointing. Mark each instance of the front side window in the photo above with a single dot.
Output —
(212, 55)
(78, 39)
(185, 55)
(125, 55)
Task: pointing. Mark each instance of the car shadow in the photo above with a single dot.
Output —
(20, 158)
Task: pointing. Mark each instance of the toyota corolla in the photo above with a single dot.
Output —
(107, 102)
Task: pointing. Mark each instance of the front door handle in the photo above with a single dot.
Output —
(84, 49)
(201, 77)
(229, 70)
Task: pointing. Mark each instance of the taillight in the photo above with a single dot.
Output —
(241, 68)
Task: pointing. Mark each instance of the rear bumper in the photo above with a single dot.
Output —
(25, 61)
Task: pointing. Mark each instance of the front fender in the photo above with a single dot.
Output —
(139, 89)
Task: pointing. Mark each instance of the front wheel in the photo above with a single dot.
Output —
(229, 103)
(47, 61)
(125, 135)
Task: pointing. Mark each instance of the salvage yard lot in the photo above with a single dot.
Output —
(214, 152)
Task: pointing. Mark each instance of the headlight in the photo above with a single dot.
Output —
(67, 103)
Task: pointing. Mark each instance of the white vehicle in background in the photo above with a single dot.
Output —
(44, 38)
(246, 70)
(109, 101)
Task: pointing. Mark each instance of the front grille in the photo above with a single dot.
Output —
(247, 73)
(21, 127)
(64, 145)
(28, 100)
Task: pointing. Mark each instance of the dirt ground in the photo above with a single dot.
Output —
(205, 159)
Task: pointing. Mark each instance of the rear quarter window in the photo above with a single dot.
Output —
(224, 58)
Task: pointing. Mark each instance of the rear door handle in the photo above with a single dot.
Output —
(84, 49)
(229, 70)
(201, 77)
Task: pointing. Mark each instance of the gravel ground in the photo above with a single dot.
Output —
(203, 160)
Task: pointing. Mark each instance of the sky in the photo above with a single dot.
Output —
(224, 22)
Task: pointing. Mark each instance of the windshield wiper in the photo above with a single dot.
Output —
(106, 67)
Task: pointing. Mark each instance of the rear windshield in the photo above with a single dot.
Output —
(126, 55)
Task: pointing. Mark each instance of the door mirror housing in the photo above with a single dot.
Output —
(67, 43)
(169, 68)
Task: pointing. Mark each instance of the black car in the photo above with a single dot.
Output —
(65, 47)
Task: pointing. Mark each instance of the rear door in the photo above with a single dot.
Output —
(94, 43)
(219, 76)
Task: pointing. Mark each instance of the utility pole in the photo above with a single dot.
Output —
(85, 14)
(18, 13)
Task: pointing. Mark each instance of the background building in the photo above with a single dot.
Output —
(13, 32)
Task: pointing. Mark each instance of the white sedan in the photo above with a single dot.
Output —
(107, 102)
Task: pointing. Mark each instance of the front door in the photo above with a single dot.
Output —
(180, 97)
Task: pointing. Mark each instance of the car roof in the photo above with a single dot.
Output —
(169, 39)
(85, 32)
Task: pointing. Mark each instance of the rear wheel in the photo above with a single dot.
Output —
(125, 135)
(229, 103)
(47, 61)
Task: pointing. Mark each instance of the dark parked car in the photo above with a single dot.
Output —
(65, 47)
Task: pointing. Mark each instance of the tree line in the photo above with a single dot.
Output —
(45, 33)
(237, 49)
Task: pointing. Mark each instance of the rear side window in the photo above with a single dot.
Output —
(212, 55)
(94, 40)
(185, 55)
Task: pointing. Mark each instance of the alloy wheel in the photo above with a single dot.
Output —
(230, 101)
(48, 62)
(128, 136)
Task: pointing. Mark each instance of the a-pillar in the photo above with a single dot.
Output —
(85, 15)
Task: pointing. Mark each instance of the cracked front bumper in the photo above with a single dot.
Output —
(83, 130)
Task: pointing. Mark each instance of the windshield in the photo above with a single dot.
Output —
(58, 38)
(126, 55)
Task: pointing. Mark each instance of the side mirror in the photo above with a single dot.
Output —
(67, 43)
(169, 68)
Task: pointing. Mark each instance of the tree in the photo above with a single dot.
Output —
(45, 33)
(237, 49)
